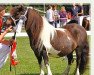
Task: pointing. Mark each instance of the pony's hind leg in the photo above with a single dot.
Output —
(82, 53)
(84, 58)
(78, 59)
(70, 60)
(39, 58)
(79, 55)
(45, 57)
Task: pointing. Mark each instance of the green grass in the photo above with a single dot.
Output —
(28, 64)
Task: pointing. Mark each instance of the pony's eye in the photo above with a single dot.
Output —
(4, 19)
(14, 15)
(17, 13)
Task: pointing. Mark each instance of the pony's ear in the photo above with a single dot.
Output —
(21, 7)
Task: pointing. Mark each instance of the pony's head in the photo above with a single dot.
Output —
(8, 21)
(17, 10)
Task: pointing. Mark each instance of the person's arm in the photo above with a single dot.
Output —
(80, 13)
(6, 42)
(3, 34)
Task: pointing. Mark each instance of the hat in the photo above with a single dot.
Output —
(2, 7)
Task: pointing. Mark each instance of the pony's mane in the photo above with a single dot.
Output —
(42, 32)
(73, 21)
(47, 33)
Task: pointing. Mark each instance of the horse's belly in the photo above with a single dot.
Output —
(52, 52)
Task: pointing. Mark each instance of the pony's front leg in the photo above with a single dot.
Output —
(39, 58)
(45, 57)
(49, 70)
(41, 69)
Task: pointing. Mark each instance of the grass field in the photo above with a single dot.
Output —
(28, 64)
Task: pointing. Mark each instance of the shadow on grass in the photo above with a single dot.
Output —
(38, 74)
(29, 74)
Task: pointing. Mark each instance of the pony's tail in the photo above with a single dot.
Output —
(84, 58)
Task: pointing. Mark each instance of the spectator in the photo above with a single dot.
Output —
(63, 16)
(69, 14)
(56, 15)
(50, 15)
(4, 44)
(74, 11)
(80, 10)
(86, 9)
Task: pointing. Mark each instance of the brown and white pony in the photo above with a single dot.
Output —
(45, 39)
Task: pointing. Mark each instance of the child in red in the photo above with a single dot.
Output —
(4, 44)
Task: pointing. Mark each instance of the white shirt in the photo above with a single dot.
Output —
(4, 52)
(49, 15)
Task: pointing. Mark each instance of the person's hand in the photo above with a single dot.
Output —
(9, 29)
(11, 41)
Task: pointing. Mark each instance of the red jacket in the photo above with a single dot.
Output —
(1, 25)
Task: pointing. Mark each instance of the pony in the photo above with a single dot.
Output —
(46, 40)
(86, 23)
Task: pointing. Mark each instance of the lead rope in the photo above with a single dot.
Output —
(21, 20)
(11, 54)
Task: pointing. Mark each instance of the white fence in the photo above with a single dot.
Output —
(25, 34)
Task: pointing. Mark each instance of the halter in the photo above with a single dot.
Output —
(21, 20)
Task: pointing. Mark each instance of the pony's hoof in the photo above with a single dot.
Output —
(42, 74)
(50, 74)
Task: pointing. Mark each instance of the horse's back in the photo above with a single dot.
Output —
(77, 31)
(63, 42)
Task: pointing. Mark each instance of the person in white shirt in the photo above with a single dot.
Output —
(50, 15)
(56, 16)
